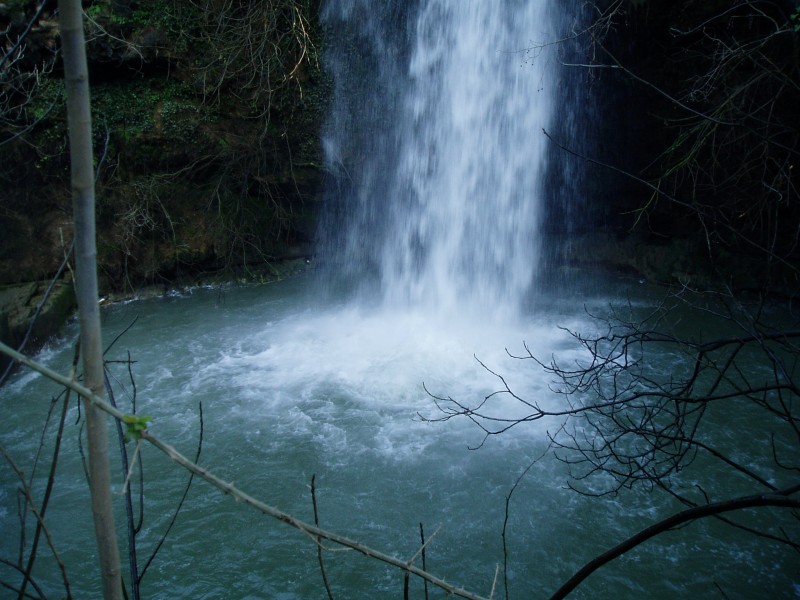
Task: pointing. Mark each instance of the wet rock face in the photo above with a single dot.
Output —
(31, 313)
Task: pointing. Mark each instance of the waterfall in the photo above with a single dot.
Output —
(436, 145)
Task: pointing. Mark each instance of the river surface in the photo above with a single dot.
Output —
(440, 181)
(289, 390)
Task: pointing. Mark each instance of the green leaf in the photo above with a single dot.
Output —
(135, 425)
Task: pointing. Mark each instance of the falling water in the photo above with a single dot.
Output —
(436, 135)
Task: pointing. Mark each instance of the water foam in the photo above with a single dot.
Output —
(363, 381)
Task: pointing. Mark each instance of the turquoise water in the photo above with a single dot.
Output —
(290, 390)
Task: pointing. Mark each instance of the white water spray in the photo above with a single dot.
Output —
(443, 150)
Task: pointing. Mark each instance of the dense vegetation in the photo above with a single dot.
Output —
(206, 116)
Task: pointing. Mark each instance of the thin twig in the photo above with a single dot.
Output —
(424, 562)
(183, 498)
(494, 581)
(505, 518)
(38, 310)
(133, 564)
(319, 546)
(26, 491)
(233, 491)
(16, 567)
(424, 544)
(50, 483)
(124, 488)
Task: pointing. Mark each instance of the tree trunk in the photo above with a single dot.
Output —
(76, 79)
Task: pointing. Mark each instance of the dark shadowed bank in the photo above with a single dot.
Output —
(206, 139)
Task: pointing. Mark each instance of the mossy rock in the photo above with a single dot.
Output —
(18, 312)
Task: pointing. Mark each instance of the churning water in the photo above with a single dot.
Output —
(290, 389)
(435, 141)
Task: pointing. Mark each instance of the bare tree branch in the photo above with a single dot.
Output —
(778, 499)
(228, 488)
